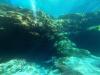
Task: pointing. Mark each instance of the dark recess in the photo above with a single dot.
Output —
(20, 44)
(89, 40)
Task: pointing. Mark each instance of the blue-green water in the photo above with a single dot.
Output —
(59, 7)
(50, 37)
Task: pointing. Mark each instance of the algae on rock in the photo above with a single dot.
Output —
(22, 36)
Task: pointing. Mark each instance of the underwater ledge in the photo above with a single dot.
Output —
(43, 45)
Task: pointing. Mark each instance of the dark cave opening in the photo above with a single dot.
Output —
(18, 43)
(89, 40)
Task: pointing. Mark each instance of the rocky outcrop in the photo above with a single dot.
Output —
(21, 32)
(57, 43)
(23, 35)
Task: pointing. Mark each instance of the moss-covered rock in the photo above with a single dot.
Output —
(43, 39)
(23, 35)
(30, 34)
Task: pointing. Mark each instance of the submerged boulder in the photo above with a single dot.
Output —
(83, 29)
(23, 35)
(42, 39)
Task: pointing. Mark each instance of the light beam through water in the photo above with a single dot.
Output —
(33, 6)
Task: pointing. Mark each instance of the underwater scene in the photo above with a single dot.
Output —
(49, 37)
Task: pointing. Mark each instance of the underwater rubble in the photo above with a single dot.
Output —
(43, 45)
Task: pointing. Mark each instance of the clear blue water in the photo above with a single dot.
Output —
(82, 61)
(60, 7)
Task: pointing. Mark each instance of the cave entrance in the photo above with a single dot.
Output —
(89, 40)
(19, 43)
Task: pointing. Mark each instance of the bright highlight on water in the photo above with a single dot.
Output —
(33, 6)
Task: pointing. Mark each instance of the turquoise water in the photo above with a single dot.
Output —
(60, 7)
(49, 37)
